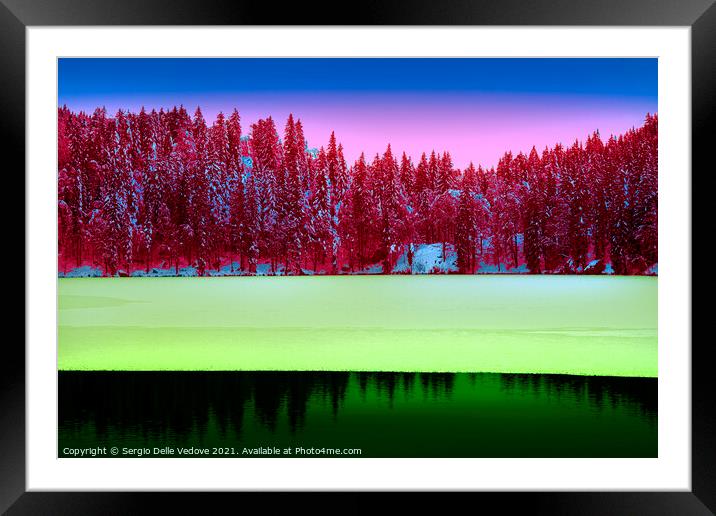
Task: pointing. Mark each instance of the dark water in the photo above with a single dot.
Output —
(382, 414)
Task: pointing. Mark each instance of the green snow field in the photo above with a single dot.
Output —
(584, 325)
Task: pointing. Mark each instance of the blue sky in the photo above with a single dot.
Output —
(604, 77)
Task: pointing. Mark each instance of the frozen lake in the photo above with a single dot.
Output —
(586, 325)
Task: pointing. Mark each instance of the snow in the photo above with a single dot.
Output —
(592, 267)
(264, 269)
(428, 258)
(373, 269)
(491, 268)
(226, 270)
(85, 271)
(164, 273)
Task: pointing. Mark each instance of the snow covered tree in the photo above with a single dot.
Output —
(598, 215)
(423, 199)
(118, 205)
(289, 206)
(647, 199)
(321, 229)
(532, 212)
(465, 232)
(160, 188)
(266, 157)
(358, 216)
(235, 185)
(576, 197)
(392, 208)
(445, 174)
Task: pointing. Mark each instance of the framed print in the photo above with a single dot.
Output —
(403, 255)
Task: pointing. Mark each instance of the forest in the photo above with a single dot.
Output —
(148, 191)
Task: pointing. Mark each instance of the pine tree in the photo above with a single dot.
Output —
(266, 157)
(647, 201)
(199, 197)
(532, 212)
(553, 208)
(118, 207)
(146, 164)
(411, 219)
(160, 187)
(423, 195)
(445, 174)
(506, 212)
(236, 189)
(407, 176)
(218, 177)
(289, 202)
(337, 182)
(251, 227)
(359, 215)
(322, 224)
(598, 202)
(392, 203)
(466, 223)
(304, 159)
(576, 197)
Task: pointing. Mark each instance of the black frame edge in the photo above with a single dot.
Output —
(699, 14)
(703, 76)
(12, 368)
(371, 12)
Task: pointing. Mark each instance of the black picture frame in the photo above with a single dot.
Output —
(16, 15)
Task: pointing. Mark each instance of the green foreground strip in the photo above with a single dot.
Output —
(506, 324)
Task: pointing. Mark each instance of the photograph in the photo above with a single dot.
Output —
(357, 257)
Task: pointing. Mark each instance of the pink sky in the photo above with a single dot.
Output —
(477, 128)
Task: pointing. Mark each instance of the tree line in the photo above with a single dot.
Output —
(163, 188)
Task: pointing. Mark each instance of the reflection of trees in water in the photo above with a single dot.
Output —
(386, 385)
(165, 404)
(150, 403)
(598, 391)
(437, 385)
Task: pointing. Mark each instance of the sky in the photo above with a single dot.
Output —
(474, 108)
